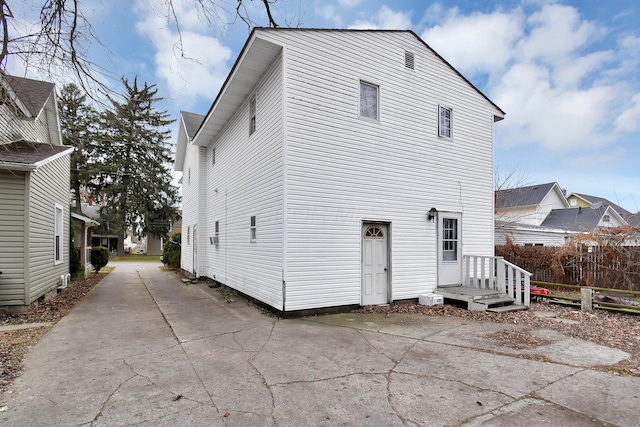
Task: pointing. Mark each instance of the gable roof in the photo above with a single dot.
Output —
(580, 219)
(256, 57)
(592, 200)
(32, 94)
(192, 122)
(28, 156)
(189, 124)
(531, 195)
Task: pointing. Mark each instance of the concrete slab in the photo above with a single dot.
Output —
(145, 349)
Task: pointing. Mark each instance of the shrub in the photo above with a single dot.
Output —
(99, 257)
(74, 256)
(171, 251)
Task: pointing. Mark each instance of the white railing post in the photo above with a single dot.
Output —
(501, 275)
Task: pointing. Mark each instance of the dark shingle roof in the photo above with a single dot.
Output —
(192, 122)
(32, 93)
(522, 196)
(582, 219)
(29, 153)
(604, 202)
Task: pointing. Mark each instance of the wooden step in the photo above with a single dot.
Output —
(507, 308)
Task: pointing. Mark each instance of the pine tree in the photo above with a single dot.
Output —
(135, 156)
(78, 122)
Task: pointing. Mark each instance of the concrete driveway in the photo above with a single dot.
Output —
(144, 349)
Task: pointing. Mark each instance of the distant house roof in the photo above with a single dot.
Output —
(581, 219)
(27, 156)
(604, 202)
(523, 196)
(32, 93)
(192, 122)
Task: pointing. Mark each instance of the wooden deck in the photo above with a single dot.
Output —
(479, 299)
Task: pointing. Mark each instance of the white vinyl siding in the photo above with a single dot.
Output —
(14, 128)
(12, 230)
(247, 180)
(190, 209)
(49, 186)
(342, 171)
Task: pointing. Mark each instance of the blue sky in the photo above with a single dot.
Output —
(565, 72)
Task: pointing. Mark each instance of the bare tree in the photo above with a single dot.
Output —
(63, 34)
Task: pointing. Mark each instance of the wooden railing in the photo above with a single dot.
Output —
(494, 273)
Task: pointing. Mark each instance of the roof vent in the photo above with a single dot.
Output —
(409, 60)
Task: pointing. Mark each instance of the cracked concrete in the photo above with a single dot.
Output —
(145, 349)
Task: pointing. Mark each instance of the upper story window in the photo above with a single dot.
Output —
(252, 115)
(574, 202)
(444, 121)
(409, 60)
(606, 218)
(213, 156)
(189, 177)
(369, 100)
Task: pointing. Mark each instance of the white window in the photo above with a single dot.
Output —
(59, 234)
(252, 115)
(213, 156)
(444, 122)
(188, 235)
(252, 230)
(574, 202)
(189, 177)
(369, 100)
(216, 234)
(606, 218)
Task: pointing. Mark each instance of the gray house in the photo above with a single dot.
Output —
(34, 193)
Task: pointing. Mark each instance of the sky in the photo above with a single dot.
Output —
(566, 72)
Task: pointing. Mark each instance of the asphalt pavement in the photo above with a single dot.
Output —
(145, 349)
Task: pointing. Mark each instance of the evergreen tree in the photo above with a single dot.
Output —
(78, 122)
(135, 156)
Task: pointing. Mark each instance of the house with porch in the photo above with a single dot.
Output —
(330, 174)
(34, 193)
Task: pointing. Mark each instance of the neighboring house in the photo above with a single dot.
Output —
(529, 205)
(82, 226)
(521, 211)
(583, 200)
(338, 167)
(583, 220)
(156, 245)
(34, 193)
(103, 234)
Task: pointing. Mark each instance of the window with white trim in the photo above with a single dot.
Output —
(188, 235)
(369, 100)
(252, 115)
(59, 234)
(574, 202)
(253, 230)
(606, 218)
(213, 156)
(445, 117)
(216, 234)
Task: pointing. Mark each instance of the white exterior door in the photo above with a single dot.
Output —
(375, 264)
(195, 249)
(449, 249)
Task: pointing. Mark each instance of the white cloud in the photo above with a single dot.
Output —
(385, 19)
(543, 70)
(349, 3)
(192, 65)
(629, 120)
(477, 42)
(328, 12)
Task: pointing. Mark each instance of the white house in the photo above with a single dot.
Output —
(338, 167)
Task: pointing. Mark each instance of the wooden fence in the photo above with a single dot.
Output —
(587, 266)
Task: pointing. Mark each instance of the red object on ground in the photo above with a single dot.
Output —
(536, 290)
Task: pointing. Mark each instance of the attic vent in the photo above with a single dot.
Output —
(408, 60)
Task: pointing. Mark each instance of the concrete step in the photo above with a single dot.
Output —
(507, 308)
(495, 301)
